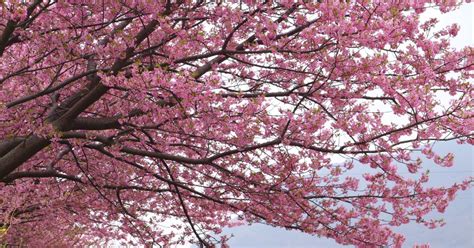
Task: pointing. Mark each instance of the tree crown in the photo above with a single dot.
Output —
(118, 116)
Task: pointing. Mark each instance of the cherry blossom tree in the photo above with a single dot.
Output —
(119, 116)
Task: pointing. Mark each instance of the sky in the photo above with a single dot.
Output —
(459, 229)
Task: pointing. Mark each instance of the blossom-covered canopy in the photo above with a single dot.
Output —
(162, 122)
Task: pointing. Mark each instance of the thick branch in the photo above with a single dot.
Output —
(8, 144)
(89, 123)
(21, 153)
(64, 122)
(38, 174)
(7, 32)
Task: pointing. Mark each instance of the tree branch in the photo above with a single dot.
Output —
(38, 174)
(7, 32)
(90, 123)
(8, 144)
(21, 153)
